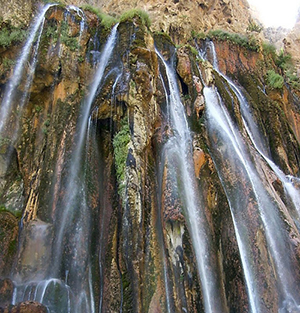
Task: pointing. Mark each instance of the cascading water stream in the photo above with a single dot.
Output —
(219, 123)
(181, 145)
(75, 191)
(82, 126)
(69, 285)
(14, 82)
(286, 283)
(216, 115)
(257, 138)
(81, 15)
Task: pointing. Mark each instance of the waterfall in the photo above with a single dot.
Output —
(230, 150)
(14, 82)
(69, 286)
(256, 137)
(180, 145)
(75, 190)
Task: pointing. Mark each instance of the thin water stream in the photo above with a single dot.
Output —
(12, 86)
(181, 145)
(220, 126)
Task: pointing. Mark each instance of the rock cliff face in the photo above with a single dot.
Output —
(122, 190)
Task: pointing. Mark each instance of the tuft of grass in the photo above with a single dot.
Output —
(275, 81)
(107, 21)
(196, 35)
(241, 40)
(143, 15)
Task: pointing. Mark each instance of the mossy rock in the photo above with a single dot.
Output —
(164, 44)
(9, 241)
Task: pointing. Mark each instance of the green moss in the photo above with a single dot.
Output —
(107, 21)
(136, 13)
(275, 80)
(65, 38)
(8, 63)
(120, 144)
(51, 31)
(17, 214)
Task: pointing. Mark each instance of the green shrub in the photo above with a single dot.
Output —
(69, 41)
(269, 49)
(136, 13)
(8, 63)
(52, 32)
(275, 80)
(253, 27)
(292, 79)
(283, 60)
(10, 35)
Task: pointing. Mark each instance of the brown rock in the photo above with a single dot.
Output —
(199, 160)
(27, 307)
(6, 291)
(184, 66)
(8, 238)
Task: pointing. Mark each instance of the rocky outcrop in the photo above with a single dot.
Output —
(25, 307)
(180, 18)
(292, 44)
(19, 12)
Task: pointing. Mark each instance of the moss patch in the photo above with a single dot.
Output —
(120, 144)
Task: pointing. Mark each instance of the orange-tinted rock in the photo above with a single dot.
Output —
(184, 66)
(199, 160)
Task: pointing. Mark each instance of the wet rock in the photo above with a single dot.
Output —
(6, 292)
(184, 66)
(9, 241)
(26, 307)
(35, 252)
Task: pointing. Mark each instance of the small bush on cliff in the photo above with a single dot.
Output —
(253, 27)
(120, 144)
(10, 35)
(136, 12)
(275, 80)
(65, 38)
(196, 35)
(284, 60)
(107, 21)
(247, 42)
(269, 49)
